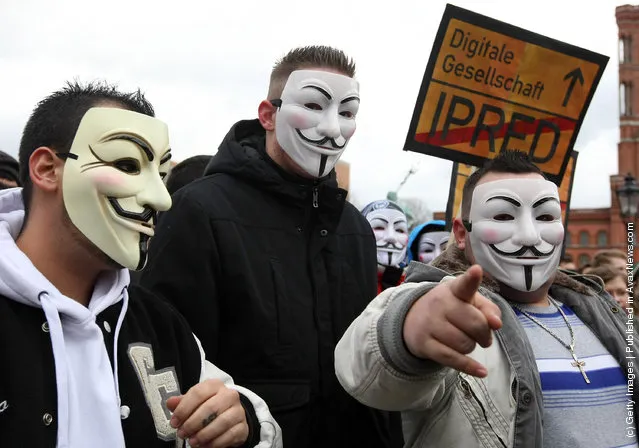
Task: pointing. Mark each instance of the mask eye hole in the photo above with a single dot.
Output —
(129, 166)
(546, 218)
(504, 217)
(347, 114)
(313, 106)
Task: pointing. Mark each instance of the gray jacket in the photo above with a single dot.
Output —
(446, 408)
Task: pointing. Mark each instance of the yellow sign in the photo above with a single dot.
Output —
(490, 86)
(462, 171)
(460, 174)
(565, 189)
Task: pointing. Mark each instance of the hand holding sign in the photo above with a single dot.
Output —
(445, 324)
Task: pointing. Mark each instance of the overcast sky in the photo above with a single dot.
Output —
(205, 65)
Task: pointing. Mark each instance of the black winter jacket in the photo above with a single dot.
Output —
(270, 269)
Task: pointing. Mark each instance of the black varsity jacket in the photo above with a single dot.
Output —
(159, 336)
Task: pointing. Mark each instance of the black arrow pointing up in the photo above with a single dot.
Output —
(574, 76)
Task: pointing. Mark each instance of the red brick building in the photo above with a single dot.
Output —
(590, 230)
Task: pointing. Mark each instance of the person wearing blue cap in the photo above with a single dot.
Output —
(427, 241)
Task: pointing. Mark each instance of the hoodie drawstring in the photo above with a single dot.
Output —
(125, 305)
(60, 359)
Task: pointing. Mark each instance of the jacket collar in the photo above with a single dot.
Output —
(453, 262)
(242, 154)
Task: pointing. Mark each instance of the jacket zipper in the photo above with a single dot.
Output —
(315, 197)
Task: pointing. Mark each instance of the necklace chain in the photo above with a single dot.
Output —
(577, 363)
(570, 347)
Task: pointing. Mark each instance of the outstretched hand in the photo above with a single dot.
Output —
(445, 324)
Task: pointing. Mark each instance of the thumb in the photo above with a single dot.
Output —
(173, 402)
(465, 286)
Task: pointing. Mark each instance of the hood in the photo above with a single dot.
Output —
(242, 154)
(413, 239)
(453, 262)
(21, 282)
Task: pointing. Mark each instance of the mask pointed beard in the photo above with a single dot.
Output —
(390, 258)
(144, 251)
(528, 277)
(517, 231)
(322, 167)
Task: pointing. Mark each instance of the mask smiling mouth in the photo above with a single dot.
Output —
(390, 247)
(322, 141)
(145, 218)
(519, 254)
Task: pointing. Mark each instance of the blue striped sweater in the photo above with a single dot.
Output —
(578, 414)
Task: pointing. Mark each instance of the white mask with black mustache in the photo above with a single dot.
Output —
(391, 232)
(316, 118)
(516, 231)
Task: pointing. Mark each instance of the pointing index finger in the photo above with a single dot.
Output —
(465, 286)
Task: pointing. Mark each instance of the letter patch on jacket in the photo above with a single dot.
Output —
(158, 386)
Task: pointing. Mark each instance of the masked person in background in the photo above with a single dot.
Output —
(104, 365)
(9, 171)
(390, 227)
(492, 345)
(427, 241)
(266, 254)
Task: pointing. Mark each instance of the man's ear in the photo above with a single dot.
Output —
(459, 231)
(266, 114)
(45, 169)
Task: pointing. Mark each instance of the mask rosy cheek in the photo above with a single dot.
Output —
(348, 131)
(554, 234)
(300, 120)
(379, 234)
(106, 180)
(491, 236)
(425, 258)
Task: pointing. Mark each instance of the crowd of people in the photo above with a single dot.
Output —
(239, 300)
(610, 268)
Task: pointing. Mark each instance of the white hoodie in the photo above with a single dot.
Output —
(88, 411)
(89, 405)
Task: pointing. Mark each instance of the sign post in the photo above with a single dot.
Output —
(490, 86)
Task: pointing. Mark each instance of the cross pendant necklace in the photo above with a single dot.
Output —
(580, 365)
(571, 348)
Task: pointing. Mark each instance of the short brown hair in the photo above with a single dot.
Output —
(508, 161)
(308, 57)
(603, 257)
(605, 273)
